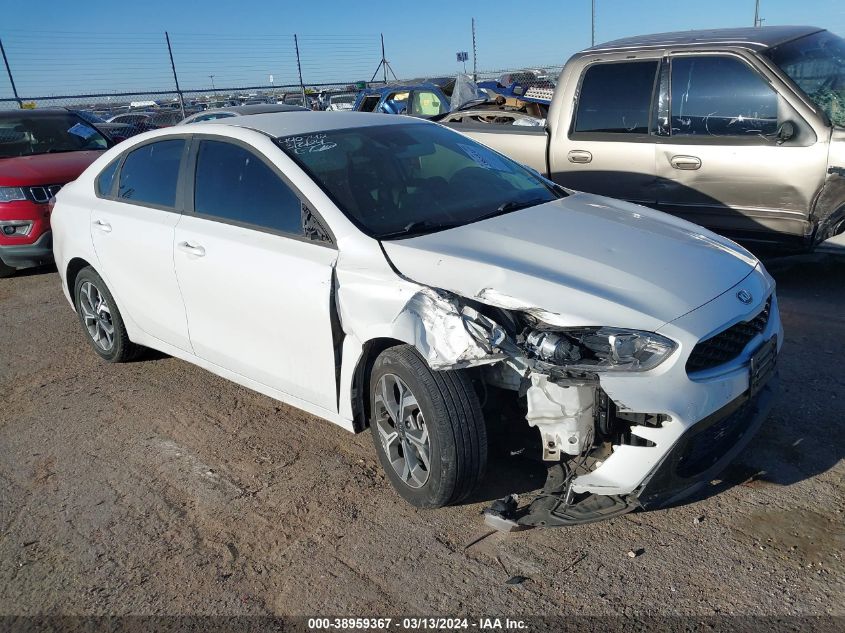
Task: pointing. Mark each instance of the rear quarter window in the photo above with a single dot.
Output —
(106, 179)
(615, 98)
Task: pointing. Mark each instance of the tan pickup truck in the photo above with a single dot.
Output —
(739, 130)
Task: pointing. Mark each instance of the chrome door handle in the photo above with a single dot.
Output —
(191, 249)
(685, 162)
(105, 227)
(579, 156)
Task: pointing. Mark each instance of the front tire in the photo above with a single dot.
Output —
(100, 318)
(6, 271)
(427, 427)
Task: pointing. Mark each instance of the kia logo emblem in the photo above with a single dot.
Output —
(745, 297)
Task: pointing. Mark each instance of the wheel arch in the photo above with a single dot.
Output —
(360, 392)
(74, 267)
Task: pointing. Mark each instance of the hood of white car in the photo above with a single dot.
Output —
(580, 260)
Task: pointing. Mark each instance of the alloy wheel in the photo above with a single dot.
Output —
(96, 314)
(402, 431)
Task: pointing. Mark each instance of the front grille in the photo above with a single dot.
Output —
(728, 344)
(42, 193)
(705, 447)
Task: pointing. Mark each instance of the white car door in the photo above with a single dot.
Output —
(257, 293)
(132, 225)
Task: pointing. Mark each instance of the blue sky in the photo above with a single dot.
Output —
(103, 45)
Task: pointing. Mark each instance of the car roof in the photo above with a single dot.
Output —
(278, 124)
(758, 38)
(405, 85)
(258, 108)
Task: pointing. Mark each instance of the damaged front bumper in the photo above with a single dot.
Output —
(624, 437)
(680, 427)
(691, 464)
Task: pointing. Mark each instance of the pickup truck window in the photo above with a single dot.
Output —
(720, 96)
(426, 103)
(816, 63)
(616, 98)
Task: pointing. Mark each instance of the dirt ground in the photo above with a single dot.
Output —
(158, 488)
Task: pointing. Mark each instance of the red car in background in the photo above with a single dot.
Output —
(40, 151)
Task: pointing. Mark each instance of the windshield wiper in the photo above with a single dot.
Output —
(420, 227)
(514, 205)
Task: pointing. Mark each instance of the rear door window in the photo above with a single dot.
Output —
(615, 98)
(235, 185)
(150, 174)
(720, 96)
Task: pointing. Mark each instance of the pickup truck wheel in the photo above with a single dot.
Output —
(101, 319)
(6, 271)
(427, 427)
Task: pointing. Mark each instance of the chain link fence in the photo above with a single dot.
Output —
(172, 74)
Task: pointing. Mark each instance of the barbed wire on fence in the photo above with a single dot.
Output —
(52, 63)
(98, 71)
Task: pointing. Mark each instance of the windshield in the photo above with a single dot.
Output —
(395, 181)
(26, 134)
(816, 63)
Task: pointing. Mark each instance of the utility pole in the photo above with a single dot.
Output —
(11, 79)
(175, 78)
(757, 20)
(474, 56)
(299, 68)
(593, 23)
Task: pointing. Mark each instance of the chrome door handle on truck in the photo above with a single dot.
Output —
(579, 156)
(685, 162)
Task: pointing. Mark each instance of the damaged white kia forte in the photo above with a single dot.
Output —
(389, 272)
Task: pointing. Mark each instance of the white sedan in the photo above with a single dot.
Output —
(389, 272)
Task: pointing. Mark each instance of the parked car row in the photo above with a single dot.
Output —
(751, 146)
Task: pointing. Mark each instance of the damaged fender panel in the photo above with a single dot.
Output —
(450, 336)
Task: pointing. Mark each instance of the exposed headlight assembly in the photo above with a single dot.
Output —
(11, 194)
(598, 349)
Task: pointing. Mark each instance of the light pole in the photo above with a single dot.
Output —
(757, 20)
(593, 38)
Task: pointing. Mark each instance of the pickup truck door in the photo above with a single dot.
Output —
(720, 162)
(606, 147)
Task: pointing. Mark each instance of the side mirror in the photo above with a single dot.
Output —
(785, 132)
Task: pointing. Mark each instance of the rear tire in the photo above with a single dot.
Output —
(437, 452)
(100, 318)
